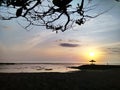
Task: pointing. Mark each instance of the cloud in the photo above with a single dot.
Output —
(68, 45)
(68, 40)
(6, 27)
(113, 48)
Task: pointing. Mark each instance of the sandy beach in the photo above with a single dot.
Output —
(81, 80)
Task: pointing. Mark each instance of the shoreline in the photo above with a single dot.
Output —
(78, 80)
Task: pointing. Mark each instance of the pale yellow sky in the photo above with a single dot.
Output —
(99, 35)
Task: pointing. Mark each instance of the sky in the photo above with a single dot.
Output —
(100, 35)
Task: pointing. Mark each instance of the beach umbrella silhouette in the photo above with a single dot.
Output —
(92, 61)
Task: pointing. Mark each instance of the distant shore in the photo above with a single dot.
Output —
(97, 67)
(80, 80)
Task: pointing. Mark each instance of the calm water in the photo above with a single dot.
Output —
(20, 68)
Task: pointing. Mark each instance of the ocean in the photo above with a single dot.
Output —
(37, 67)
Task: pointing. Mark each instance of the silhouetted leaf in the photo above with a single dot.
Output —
(80, 21)
(61, 3)
(19, 12)
(117, 0)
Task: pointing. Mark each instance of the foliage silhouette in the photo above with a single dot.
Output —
(53, 14)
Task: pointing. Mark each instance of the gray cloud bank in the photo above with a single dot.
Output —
(68, 45)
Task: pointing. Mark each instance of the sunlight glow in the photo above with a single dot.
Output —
(92, 54)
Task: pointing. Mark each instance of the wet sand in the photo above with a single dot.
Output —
(81, 80)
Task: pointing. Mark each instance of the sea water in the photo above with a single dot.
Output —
(37, 67)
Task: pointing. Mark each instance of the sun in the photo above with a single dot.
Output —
(92, 54)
